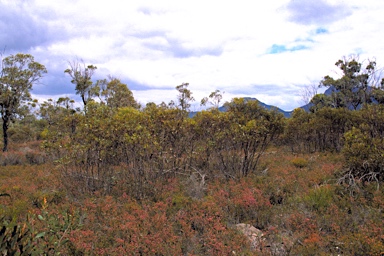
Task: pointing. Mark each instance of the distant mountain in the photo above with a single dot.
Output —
(266, 106)
(287, 114)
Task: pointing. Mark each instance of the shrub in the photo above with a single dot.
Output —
(364, 156)
(15, 240)
(35, 157)
(12, 158)
(299, 162)
(243, 203)
(319, 198)
(364, 147)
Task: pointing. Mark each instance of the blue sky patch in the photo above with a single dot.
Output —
(320, 30)
(276, 48)
(298, 48)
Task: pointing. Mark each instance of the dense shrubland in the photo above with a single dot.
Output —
(118, 178)
(158, 143)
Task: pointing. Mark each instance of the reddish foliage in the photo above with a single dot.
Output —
(241, 202)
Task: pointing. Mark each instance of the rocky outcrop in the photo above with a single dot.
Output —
(254, 235)
(266, 244)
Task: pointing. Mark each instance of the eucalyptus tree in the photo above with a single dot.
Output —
(185, 96)
(117, 94)
(17, 75)
(81, 75)
(214, 99)
(354, 87)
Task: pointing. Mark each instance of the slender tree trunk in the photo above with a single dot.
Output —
(84, 102)
(83, 99)
(5, 133)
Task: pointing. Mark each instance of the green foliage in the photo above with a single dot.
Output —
(363, 150)
(320, 101)
(17, 75)
(55, 229)
(319, 198)
(15, 240)
(352, 89)
(81, 76)
(300, 162)
(214, 99)
(60, 123)
(319, 131)
(297, 132)
(131, 149)
(378, 93)
(252, 129)
(152, 181)
(118, 95)
(364, 161)
(184, 97)
(42, 234)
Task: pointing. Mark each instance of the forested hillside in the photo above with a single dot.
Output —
(118, 178)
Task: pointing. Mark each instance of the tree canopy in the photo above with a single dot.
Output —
(18, 73)
(353, 88)
(81, 77)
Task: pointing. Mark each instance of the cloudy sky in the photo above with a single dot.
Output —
(269, 50)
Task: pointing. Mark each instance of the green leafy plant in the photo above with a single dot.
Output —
(40, 234)
(319, 198)
(15, 240)
(53, 229)
(300, 162)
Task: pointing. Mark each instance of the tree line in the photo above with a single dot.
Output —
(114, 141)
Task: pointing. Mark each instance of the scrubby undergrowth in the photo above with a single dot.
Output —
(294, 200)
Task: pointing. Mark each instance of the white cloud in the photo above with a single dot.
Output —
(318, 12)
(226, 45)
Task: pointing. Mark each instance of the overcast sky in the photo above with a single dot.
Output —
(269, 50)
